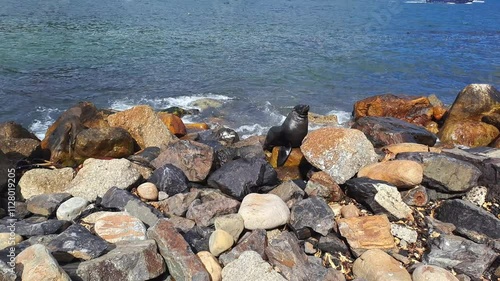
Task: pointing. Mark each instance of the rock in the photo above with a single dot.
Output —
(416, 196)
(251, 267)
(439, 226)
(144, 126)
(198, 238)
(382, 131)
(463, 125)
(13, 130)
(369, 232)
(162, 195)
(5, 166)
(332, 244)
(426, 272)
(179, 203)
(35, 226)
(313, 213)
(323, 120)
(103, 142)
(240, 177)
(144, 212)
(219, 242)
(205, 213)
(96, 177)
(77, 242)
(232, 224)
(469, 216)
(9, 239)
(145, 156)
(287, 191)
(225, 136)
(396, 148)
(116, 198)
(263, 211)
(182, 263)
(197, 127)
(404, 233)
(169, 179)
(339, 152)
(350, 211)
(46, 204)
(211, 265)
(412, 109)
(148, 191)
(477, 195)
(293, 160)
(7, 273)
(17, 149)
(174, 123)
(71, 208)
(378, 196)
(322, 185)
(253, 241)
(182, 225)
(36, 263)
(460, 254)
(376, 265)
(117, 227)
(319, 272)
(130, 260)
(401, 173)
(60, 137)
(44, 181)
(193, 158)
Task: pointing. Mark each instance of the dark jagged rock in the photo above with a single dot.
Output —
(116, 198)
(469, 216)
(204, 213)
(145, 156)
(460, 254)
(383, 131)
(17, 149)
(170, 179)
(444, 173)
(179, 204)
(144, 212)
(253, 241)
(182, 263)
(319, 272)
(35, 226)
(223, 135)
(77, 242)
(14, 130)
(240, 177)
(379, 196)
(198, 238)
(313, 213)
(331, 243)
(46, 204)
(5, 165)
(130, 260)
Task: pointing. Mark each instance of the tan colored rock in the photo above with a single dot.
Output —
(219, 242)
(376, 265)
(426, 272)
(468, 133)
(148, 191)
(36, 263)
(293, 160)
(120, 226)
(45, 181)
(288, 173)
(322, 184)
(408, 147)
(211, 264)
(197, 126)
(9, 240)
(339, 152)
(401, 173)
(350, 211)
(263, 211)
(174, 123)
(369, 232)
(232, 224)
(103, 142)
(143, 123)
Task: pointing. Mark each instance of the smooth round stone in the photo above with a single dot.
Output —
(431, 272)
(211, 265)
(219, 242)
(377, 265)
(71, 208)
(120, 227)
(6, 242)
(263, 211)
(232, 224)
(148, 191)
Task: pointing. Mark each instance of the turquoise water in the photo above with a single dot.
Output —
(259, 58)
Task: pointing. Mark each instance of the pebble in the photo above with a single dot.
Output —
(265, 211)
(148, 191)
(219, 242)
(211, 264)
(232, 224)
(71, 208)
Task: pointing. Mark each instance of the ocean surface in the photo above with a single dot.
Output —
(257, 58)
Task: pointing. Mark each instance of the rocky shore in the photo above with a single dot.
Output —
(409, 190)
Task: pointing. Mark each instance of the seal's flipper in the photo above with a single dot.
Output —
(283, 153)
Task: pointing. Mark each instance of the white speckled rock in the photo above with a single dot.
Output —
(71, 208)
(250, 267)
(477, 195)
(211, 265)
(120, 227)
(219, 242)
(148, 191)
(44, 181)
(263, 211)
(431, 272)
(97, 176)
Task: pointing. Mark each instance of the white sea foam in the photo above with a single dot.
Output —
(46, 117)
(343, 117)
(246, 131)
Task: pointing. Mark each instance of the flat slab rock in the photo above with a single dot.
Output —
(369, 232)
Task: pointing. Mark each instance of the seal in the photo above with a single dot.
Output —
(290, 134)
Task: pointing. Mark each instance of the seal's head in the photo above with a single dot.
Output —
(301, 109)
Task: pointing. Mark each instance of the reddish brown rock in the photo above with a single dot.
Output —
(12, 130)
(193, 158)
(36, 263)
(369, 232)
(412, 109)
(193, 127)
(174, 123)
(104, 142)
(469, 133)
(182, 263)
(394, 149)
(401, 173)
(121, 226)
(144, 125)
(293, 160)
(288, 173)
(16, 149)
(321, 184)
